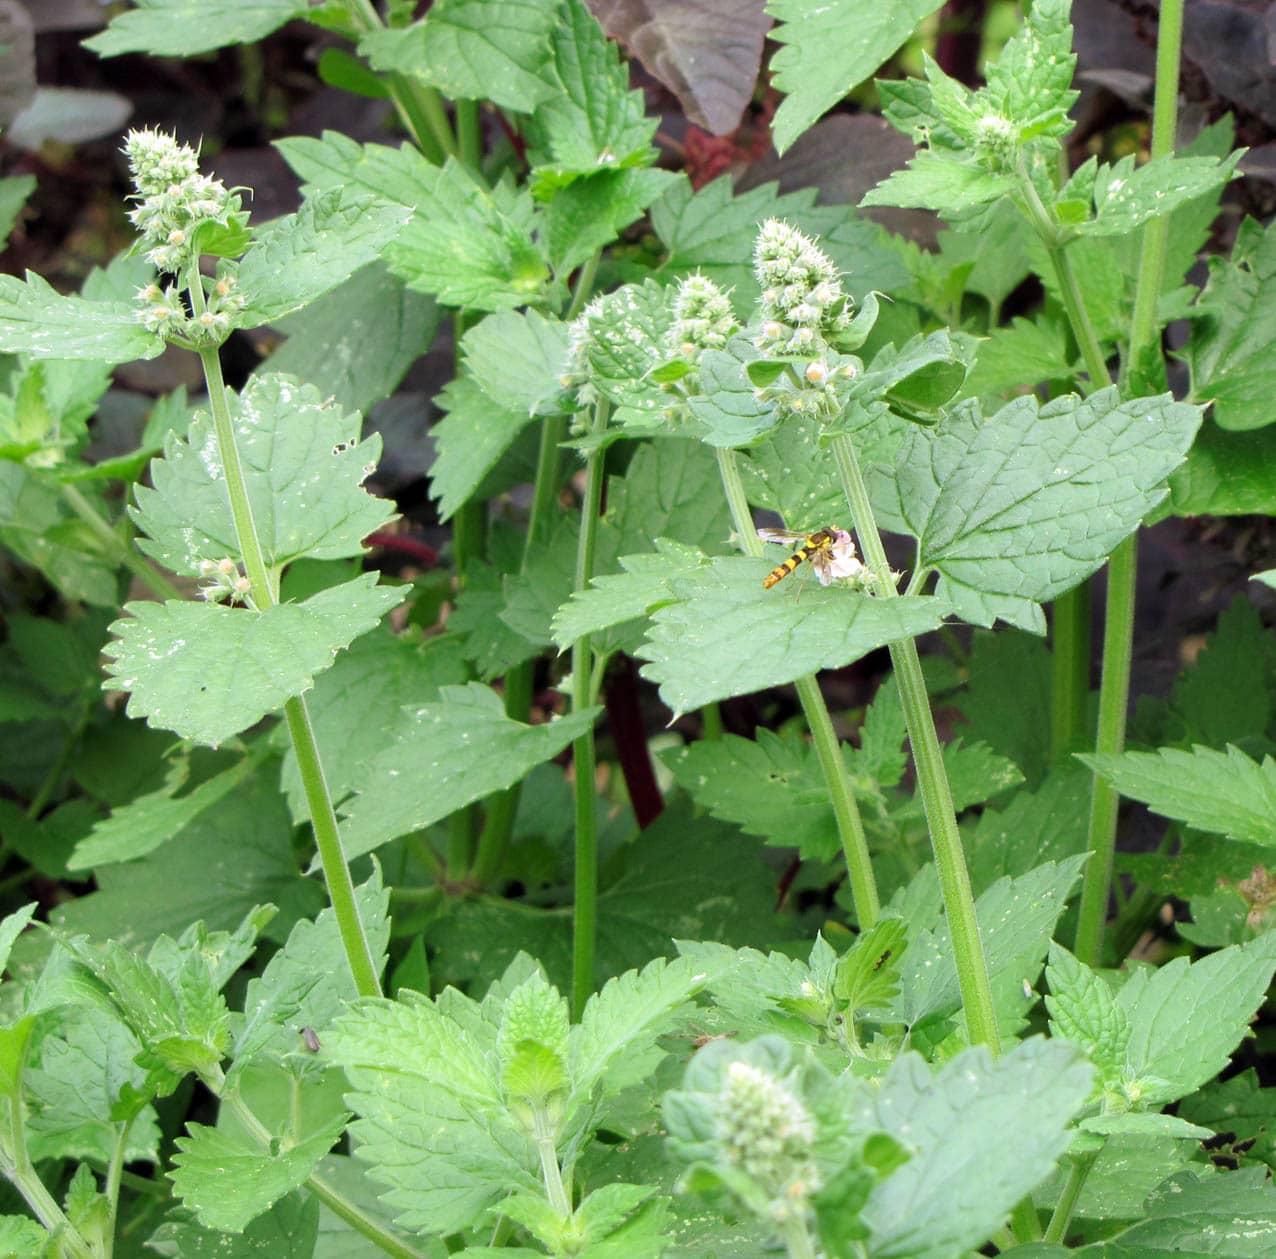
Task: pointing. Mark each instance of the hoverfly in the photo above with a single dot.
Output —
(831, 552)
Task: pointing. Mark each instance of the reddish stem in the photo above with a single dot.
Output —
(624, 716)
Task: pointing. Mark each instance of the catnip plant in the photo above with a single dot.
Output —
(380, 958)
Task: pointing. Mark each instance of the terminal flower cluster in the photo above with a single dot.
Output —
(702, 319)
(174, 201)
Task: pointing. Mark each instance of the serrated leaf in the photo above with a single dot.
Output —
(466, 244)
(469, 441)
(727, 405)
(14, 191)
(1230, 350)
(289, 1230)
(304, 467)
(954, 1125)
(308, 983)
(1022, 353)
(476, 50)
(1231, 1216)
(11, 928)
(1024, 505)
(1017, 917)
(614, 1045)
(1187, 1018)
(441, 1138)
(592, 211)
(207, 672)
(936, 181)
(1145, 1124)
(228, 1181)
(615, 598)
(516, 359)
(771, 787)
(592, 121)
(181, 28)
(297, 258)
(727, 636)
(1083, 1009)
(1224, 792)
(355, 343)
(144, 824)
(453, 752)
(35, 319)
(358, 705)
(830, 49)
(1030, 83)
(1125, 197)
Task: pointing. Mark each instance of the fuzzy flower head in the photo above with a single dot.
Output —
(765, 1130)
(223, 580)
(702, 319)
(803, 304)
(173, 198)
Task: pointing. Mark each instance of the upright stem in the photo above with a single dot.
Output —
(1118, 638)
(1079, 1170)
(584, 759)
(932, 778)
(319, 800)
(850, 826)
(1070, 667)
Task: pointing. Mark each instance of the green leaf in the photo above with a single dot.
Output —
(454, 752)
(441, 1139)
(469, 442)
(466, 244)
(181, 28)
(359, 705)
(954, 1125)
(1230, 350)
(144, 824)
(308, 983)
(355, 343)
(231, 859)
(1227, 474)
(295, 259)
(1084, 1010)
(287, 1231)
(1232, 1217)
(22, 1238)
(207, 672)
(727, 636)
(14, 191)
(1125, 197)
(592, 121)
(1224, 792)
(83, 1074)
(35, 319)
(476, 50)
(591, 212)
(728, 406)
(516, 359)
(304, 467)
(771, 787)
(616, 598)
(830, 49)
(227, 1181)
(934, 181)
(1186, 1018)
(1239, 1105)
(1017, 917)
(11, 928)
(1030, 83)
(1024, 505)
(1020, 354)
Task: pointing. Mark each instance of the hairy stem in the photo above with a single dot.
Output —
(323, 817)
(932, 778)
(850, 826)
(584, 754)
(1123, 566)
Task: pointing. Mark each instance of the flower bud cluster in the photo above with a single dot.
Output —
(223, 580)
(174, 202)
(803, 310)
(702, 319)
(995, 141)
(764, 1128)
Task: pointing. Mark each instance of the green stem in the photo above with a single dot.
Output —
(551, 1173)
(797, 1238)
(322, 815)
(932, 779)
(1070, 661)
(146, 573)
(711, 722)
(1057, 1229)
(330, 1196)
(467, 134)
(114, 1171)
(584, 754)
(1118, 637)
(850, 826)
